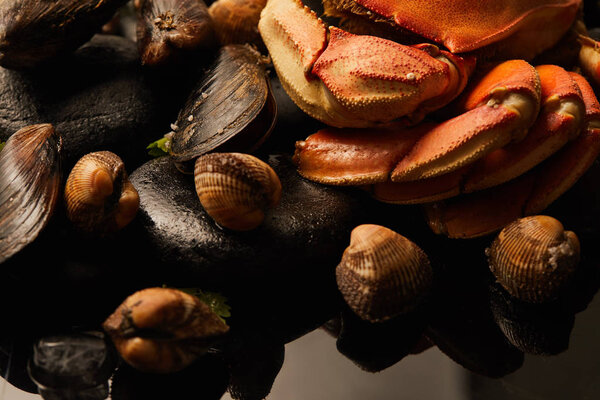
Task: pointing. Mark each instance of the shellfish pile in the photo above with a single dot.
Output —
(228, 205)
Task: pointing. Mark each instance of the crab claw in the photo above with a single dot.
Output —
(560, 172)
(349, 157)
(558, 122)
(356, 80)
(490, 210)
(589, 57)
(502, 106)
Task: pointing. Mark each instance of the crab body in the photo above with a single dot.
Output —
(503, 123)
(514, 28)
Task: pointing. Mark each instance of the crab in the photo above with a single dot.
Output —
(514, 137)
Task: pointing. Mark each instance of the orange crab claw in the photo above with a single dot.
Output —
(363, 81)
(480, 213)
(558, 122)
(589, 58)
(503, 104)
(349, 157)
(490, 210)
(422, 191)
(459, 25)
(565, 168)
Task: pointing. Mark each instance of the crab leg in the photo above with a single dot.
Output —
(558, 122)
(349, 157)
(561, 172)
(589, 57)
(356, 80)
(487, 211)
(501, 107)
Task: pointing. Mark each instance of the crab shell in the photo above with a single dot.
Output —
(523, 27)
(510, 118)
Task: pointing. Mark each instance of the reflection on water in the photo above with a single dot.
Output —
(315, 369)
(486, 344)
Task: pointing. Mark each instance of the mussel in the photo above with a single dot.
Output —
(232, 109)
(32, 31)
(163, 330)
(533, 257)
(382, 274)
(236, 21)
(168, 27)
(30, 177)
(235, 189)
(98, 195)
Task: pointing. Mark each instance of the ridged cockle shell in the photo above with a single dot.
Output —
(235, 189)
(533, 257)
(163, 330)
(382, 274)
(98, 195)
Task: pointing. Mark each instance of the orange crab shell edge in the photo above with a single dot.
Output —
(459, 26)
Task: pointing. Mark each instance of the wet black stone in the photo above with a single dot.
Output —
(374, 347)
(205, 379)
(98, 99)
(308, 230)
(542, 329)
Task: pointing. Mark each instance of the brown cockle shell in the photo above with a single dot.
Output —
(382, 274)
(98, 195)
(30, 176)
(167, 27)
(232, 109)
(162, 330)
(32, 31)
(236, 21)
(533, 257)
(235, 189)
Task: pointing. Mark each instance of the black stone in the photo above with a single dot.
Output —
(308, 230)
(98, 99)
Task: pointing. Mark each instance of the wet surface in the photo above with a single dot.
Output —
(292, 336)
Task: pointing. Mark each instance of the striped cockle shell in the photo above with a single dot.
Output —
(163, 330)
(382, 274)
(235, 189)
(98, 195)
(533, 257)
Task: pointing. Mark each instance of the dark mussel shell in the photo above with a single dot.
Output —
(165, 27)
(232, 109)
(30, 176)
(98, 98)
(32, 31)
